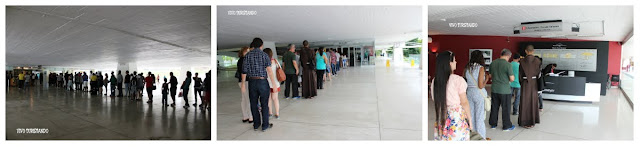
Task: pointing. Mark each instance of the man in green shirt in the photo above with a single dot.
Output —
(515, 85)
(501, 75)
(291, 70)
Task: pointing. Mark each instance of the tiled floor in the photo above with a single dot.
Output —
(79, 115)
(362, 103)
(609, 119)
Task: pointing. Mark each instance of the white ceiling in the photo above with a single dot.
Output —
(103, 36)
(500, 20)
(320, 25)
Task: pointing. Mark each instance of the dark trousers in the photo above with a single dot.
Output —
(259, 91)
(497, 101)
(164, 98)
(150, 93)
(20, 83)
(196, 93)
(185, 95)
(319, 75)
(291, 83)
(173, 94)
(119, 89)
(113, 89)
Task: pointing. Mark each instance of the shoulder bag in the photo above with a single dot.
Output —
(280, 73)
(487, 99)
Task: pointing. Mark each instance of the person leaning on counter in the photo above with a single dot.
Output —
(550, 68)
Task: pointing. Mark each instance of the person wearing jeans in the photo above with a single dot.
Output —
(256, 70)
(515, 92)
(332, 55)
(515, 85)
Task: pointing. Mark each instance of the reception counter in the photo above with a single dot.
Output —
(626, 84)
(570, 89)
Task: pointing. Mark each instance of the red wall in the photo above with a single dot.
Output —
(460, 45)
(615, 53)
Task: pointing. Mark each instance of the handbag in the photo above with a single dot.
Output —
(180, 94)
(280, 73)
(475, 136)
(487, 99)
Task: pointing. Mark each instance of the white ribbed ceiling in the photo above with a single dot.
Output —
(103, 36)
(500, 20)
(321, 25)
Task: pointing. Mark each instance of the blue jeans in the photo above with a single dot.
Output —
(259, 91)
(127, 88)
(515, 91)
(333, 69)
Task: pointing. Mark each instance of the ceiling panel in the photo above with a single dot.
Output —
(500, 20)
(318, 24)
(91, 36)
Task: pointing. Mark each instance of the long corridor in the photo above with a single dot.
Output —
(369, 102)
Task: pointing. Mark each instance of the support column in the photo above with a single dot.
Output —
(398, 55)
(272, 45)
(122, 67)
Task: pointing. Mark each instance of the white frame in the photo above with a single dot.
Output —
(485, 52)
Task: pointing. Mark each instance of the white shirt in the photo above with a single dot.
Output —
(273, 70)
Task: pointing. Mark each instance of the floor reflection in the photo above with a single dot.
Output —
(609, 119)
(79, 115)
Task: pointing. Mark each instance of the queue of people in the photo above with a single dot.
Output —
(134, 85)
(461, 102)
(260, 77)
(24, 79)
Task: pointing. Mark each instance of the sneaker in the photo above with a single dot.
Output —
(494, 127)
(265, 129)
(297, 97)
(287, 97)
(510, 129)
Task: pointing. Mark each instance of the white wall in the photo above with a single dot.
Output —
(627, 78)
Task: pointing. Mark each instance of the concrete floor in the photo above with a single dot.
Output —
(609, 119)
(81, 116)
(369, 102)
